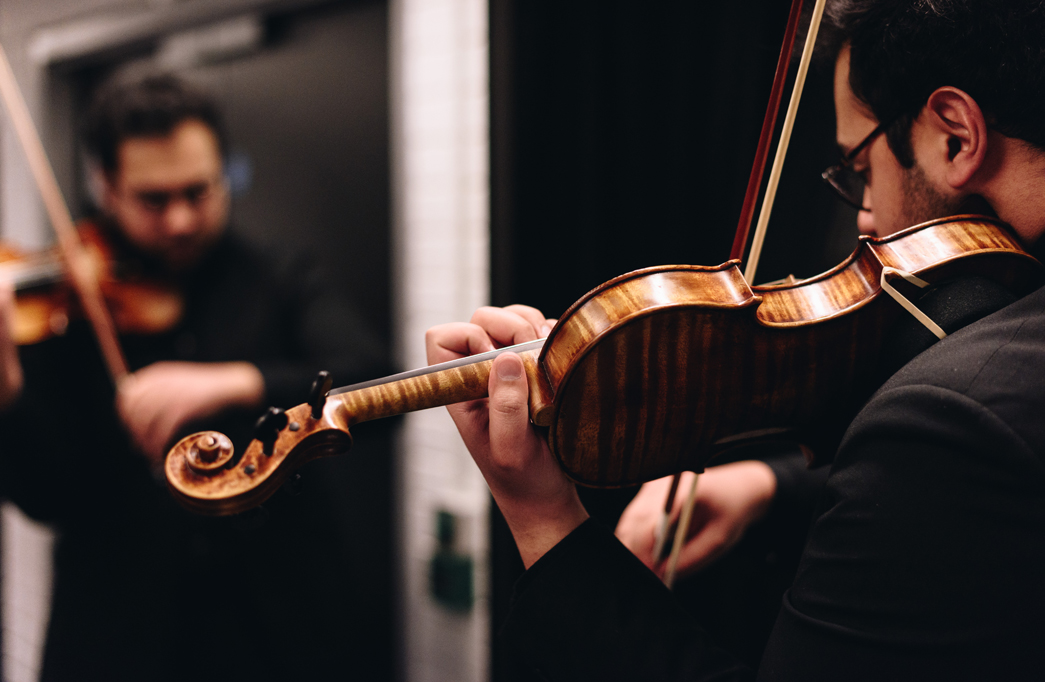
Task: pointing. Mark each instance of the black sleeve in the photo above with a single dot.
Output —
(925, 561)
(589, 610)
(61, 447)
(798, 486)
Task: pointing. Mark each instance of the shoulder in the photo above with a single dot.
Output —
(992, 368)
(935, 491)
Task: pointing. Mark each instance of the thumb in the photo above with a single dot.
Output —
(509, 409)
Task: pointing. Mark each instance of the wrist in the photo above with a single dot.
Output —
(537, 528)
(761, 481)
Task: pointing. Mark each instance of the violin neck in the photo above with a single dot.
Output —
(448, 383)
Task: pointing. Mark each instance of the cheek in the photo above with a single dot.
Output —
(215, 217)
(135, 227)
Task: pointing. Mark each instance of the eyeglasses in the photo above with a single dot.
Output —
(847, 183)
(194, 195)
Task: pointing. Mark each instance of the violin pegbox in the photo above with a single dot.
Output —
(205, 475)
(317, 396)
(268, 426)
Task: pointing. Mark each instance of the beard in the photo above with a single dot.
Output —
(922, 202)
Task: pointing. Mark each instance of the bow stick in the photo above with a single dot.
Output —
(746, 213)
(760, 231)
(69, 245)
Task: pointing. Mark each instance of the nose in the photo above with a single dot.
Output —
(179, 219)
(865, 219)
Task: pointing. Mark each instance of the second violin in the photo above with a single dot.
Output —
(46, 303)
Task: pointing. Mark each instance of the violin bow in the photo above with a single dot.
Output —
(746, 212)
(754, 181)
(69, 245)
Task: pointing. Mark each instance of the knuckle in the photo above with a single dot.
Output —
(483, 312)
(509, 404)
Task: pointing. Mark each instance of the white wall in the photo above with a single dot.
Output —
(440, 186)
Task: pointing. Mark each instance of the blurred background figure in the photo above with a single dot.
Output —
(142, 588)
(138, 579)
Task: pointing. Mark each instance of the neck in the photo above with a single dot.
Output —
(1015, 186)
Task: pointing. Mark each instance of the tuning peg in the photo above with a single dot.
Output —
(268, 427)
(317, 397)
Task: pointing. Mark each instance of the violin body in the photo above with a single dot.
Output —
(656, 371)
(45, 303)
(653, 372)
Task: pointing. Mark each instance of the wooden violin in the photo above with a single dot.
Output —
(75, 256)
(45, 301)
(649, 374)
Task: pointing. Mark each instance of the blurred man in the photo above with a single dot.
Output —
(925, 559)
(143, 589)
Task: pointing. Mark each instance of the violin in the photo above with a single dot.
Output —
(75, 257)
(649, 374)
(45, 301)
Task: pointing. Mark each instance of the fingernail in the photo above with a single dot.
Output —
(508, 371)
(546, 329)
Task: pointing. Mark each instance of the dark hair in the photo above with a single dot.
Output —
(149, 107)
(903, 50)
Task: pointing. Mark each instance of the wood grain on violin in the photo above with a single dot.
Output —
(45, 301)
(212, 483)
(656, 371)
(76, 261)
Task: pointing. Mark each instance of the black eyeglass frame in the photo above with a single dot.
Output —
(831, 174)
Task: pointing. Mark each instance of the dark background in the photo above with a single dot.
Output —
(623, 134)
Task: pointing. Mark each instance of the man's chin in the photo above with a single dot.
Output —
(181, 257)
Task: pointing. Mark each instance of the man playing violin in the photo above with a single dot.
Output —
(925, 558)
(144, 589)
(167, 199)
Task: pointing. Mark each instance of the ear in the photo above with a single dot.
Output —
(957, 134)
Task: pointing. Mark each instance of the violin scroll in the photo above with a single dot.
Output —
(208, 452)
(205, 475)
